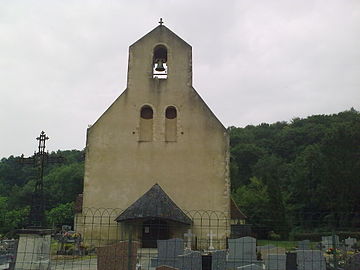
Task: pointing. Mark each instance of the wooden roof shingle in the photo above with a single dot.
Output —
(155, 203)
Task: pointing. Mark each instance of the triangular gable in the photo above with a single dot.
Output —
(161, 28)
(155, 203)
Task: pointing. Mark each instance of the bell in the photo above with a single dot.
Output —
(160, 66)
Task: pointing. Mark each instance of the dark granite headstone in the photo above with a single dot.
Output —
(291, 263)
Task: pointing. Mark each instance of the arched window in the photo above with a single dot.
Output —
(170, 124)
(146, 124)
(160, 68)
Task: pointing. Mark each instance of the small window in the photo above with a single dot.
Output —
(170, 124)
(146, 112)
(146, 124)
(170, 113)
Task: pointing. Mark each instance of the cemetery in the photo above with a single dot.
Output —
(180, 253)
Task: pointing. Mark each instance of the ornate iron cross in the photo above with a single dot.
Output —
(39, 160)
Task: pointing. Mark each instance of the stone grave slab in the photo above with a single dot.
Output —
(168, 252)
(33, 252)
(250, 267)
(327, 241)
(189, 261)
(349, 242)
(117, 257)
(310, 260)
(242, 248)
(242, 251)
(275, 262)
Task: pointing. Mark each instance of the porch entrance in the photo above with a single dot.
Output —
(153, 230)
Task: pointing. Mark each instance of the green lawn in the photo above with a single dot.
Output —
(288, 245)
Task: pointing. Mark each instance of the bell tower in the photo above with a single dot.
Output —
(160, 56)
(158, 137)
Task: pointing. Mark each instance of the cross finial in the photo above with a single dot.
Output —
(161, 21)
(42, 139)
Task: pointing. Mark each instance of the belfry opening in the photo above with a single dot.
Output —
(160, 66)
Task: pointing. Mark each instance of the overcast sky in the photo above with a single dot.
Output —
(62, 63)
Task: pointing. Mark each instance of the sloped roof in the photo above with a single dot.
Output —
(155, 203)
(235, 212)
(159, 30)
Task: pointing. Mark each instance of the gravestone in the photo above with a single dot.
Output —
(275, 262)
(291, 263)
(354, 262)
(119, 256)
(190, 261)
(165, 267)
(349, 242)
(242, 252)
(327, 241)
(310, 260)
(168, 252)
(242, 248)
(33, 252)
(218, 259)
(170, 248)
(250, 267)
(304, 245)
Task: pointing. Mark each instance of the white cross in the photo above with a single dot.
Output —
(211, 234)
(189, 237)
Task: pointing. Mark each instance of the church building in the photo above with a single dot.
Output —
(157, 160)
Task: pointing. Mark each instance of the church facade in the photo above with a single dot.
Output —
(158, 157)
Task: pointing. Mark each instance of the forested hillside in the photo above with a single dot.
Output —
(285, 176)
(62, 182)
(299, 175)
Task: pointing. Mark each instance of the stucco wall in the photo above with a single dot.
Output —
(193, 170)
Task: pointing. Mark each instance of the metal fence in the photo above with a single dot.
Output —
(210, 241)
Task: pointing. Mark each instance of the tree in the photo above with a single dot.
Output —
(63, 214)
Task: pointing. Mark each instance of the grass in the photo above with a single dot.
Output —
(288, 245)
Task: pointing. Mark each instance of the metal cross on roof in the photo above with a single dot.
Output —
(161, 21)
(39, 160)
